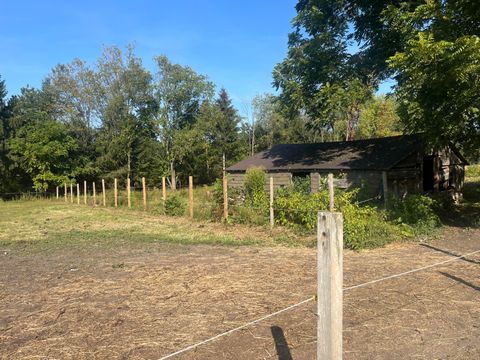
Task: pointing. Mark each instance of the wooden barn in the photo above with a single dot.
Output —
(401, 163)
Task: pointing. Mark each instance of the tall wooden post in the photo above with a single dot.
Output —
(223, 165)
(330, 285)
(78, 194)
(129, 199)
(385, 188)
(94, 194)
(164, 189)
(71, 193)
(85, 192)
(144, 189)
(190, 196)
(65, 192)
(57, 192)
(104, 195)
(225, 198)
(115, 192)
(272, 219)
(331, 193)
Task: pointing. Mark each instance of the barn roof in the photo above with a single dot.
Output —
(371, 154)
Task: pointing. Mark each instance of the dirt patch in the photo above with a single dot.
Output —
(144, 301)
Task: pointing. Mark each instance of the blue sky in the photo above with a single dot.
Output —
(235, 43)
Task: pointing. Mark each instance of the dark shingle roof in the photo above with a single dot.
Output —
(371, 154)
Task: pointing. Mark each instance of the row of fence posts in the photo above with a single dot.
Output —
(164, 195)
(115, 193)
(104, 194)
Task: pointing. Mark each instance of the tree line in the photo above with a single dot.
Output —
(116, 119)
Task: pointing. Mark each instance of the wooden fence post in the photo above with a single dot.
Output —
(57, 192)
(164, 189)
(85, 192)
(129, 199)
(385, 188)
(225, 198)
(329, 285)
(65, 192)
(144, 189)
(190, 196)
(272, 218)
(115, 192)
(71, 193)
(94, 194)
(104, 196)
(78, 194)
(331, 193)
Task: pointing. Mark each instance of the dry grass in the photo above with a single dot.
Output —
(50, 223)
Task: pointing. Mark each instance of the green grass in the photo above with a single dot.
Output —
(473, 171)
(45, 224)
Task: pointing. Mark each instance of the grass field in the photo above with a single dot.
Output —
(49, 223)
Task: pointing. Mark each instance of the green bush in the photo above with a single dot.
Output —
(415, 210)
(293, 205)
(364, 226)
(174, 206)
(255, 193)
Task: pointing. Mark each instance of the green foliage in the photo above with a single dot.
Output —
(379, 118)
(174, 206)
(364, 226)
(318, 77)
(415, 210)
(255, 193)
(40, 146)
(472, 171)
(431, 48)
(274, 126)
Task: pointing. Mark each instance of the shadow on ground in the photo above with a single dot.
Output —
(281, 345)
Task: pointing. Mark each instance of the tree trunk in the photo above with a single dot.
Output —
(253, 135)
(128, 165)
(173, 177)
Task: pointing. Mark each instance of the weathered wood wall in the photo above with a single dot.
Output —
(405, 177)
(279, 179)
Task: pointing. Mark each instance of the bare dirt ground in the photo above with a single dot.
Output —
(146, 301)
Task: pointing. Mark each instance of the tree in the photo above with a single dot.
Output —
(75, 91)
(274, 126)
(5, 114)
(127, 108)
(429, 47)
(438, 71)
(40, 146)
(379, 118)
(318, 76)
(180, 93)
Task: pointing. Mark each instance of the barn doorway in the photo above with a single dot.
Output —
(428, 173)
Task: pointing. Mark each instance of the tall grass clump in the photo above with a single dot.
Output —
(472, 171)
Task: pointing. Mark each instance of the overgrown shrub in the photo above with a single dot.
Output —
(364, 226)
(294, 205)
(174, 206)
(255, 193)
(415, 210)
